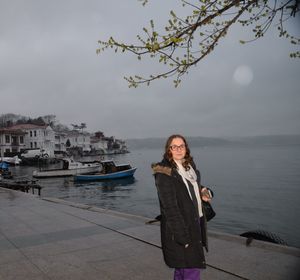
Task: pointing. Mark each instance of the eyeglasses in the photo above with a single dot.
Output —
(177, 148)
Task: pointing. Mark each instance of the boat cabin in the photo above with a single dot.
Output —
(108, 166)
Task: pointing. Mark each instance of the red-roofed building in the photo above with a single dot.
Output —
(11, 141)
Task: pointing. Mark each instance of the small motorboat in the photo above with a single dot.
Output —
(109, 171)
(11, 160)
(69, 168)
(5, 173)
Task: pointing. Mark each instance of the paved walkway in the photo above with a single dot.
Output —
(54, 239)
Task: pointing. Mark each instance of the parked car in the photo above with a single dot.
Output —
(35, 153)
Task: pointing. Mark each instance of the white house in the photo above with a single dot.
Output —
(79, 139)
(37, 136)
(99, 145)
(60, 141)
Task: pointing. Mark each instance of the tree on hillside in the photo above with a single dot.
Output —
(21, 121)
(68, 143)
(77, 127)
(187, 40)
(49, 119)
(82, 126)
(7, 120)
(59, 127)
(38, 121)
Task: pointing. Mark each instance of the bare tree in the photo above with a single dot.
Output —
(186, 41)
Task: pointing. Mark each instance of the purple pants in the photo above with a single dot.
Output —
(187, 274)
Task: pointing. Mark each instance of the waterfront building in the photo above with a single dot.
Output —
(19, 137)
(60, 141)
(107, 145)
(99, 144)
(121, 146)
(116, 146)
(77, 139)
(37, 136)
(11, 141)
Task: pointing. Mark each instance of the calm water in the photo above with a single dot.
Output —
(255, 188)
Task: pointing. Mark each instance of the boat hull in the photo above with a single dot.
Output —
(109, 176)
(65, 173)
(11, 160)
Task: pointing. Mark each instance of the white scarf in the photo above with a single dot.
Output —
(192, 177)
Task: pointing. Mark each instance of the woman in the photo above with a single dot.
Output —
(183, 225)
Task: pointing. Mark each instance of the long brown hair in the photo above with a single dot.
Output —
(168, 155)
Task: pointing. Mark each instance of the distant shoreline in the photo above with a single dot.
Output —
(267, 140)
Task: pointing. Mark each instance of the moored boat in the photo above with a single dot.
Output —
(5, 173)
(70, 168)
(11, 160)
(109, 171)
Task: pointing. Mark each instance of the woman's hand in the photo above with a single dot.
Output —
(205, 194)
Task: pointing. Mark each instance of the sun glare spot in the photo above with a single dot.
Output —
(243, 75)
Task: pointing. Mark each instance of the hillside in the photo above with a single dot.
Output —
(267, 140)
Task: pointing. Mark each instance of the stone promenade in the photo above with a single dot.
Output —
(54, 239)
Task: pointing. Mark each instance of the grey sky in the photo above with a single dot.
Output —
(48, 65)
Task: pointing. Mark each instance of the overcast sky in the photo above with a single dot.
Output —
(48, 65)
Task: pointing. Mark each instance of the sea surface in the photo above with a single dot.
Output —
(256, 188)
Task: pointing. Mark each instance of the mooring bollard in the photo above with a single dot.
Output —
(38, 189)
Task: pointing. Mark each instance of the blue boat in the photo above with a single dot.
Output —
(109, 171)
(5, 173)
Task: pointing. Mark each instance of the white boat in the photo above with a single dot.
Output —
(70, 168)
(11, 160)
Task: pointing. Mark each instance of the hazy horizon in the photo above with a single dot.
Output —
(251, 141)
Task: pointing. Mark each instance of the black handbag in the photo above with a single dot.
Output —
(208, 210)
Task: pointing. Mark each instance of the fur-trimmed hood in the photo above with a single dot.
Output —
(161, 168)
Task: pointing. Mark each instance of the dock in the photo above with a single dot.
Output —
(23, 185)
(49, 238)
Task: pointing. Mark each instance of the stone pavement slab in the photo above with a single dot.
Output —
(54, 239)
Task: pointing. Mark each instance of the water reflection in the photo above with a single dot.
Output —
(108, 185)
(105, 194)
(101, 191)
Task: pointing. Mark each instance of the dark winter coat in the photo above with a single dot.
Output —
(179, 220)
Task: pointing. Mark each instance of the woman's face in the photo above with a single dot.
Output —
(177, 149)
